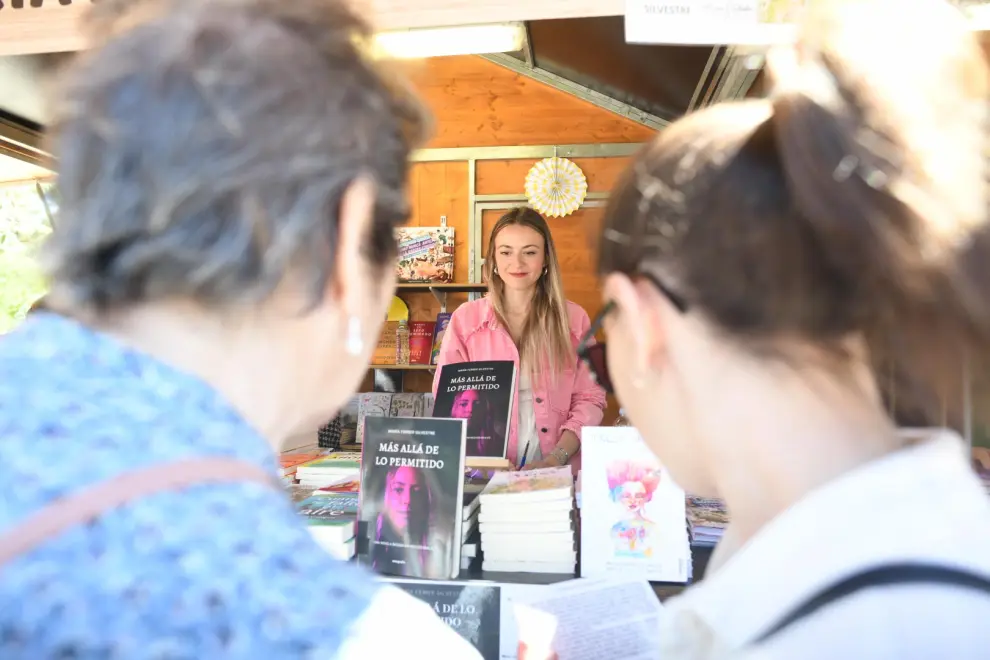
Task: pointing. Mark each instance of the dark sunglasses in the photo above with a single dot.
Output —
(593, 354)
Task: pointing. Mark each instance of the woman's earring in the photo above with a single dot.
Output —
(354, 344)
(546, 269)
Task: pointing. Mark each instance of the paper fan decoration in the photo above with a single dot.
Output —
(556, 187)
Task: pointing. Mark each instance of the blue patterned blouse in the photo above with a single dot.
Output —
(214, 571)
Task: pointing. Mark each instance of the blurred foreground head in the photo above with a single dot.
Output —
(837, 225)
(236, 166)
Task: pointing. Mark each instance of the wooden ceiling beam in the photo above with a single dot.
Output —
(54, 27)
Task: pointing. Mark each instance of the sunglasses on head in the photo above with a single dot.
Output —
(593, 354)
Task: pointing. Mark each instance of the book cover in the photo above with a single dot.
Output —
(480, 393)
(338, 512)
(440, 327)
(633, 517)
(531, 485)
(426, 254)
(421, 341)
(472, 610)
(412, 495)
(372, 404)
(385, 349)
(338, 461)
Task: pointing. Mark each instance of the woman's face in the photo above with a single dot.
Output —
(632, 496)
(656, 395)
(519, 256)
(465, 404)
(402, 495)
(336, 339)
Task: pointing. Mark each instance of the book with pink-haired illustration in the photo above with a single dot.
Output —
(633, 518)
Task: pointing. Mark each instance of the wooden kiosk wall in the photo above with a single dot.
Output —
(492, 125)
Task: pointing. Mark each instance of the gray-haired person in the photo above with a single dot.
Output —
(230, 175)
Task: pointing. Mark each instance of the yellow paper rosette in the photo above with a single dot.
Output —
(556, 187)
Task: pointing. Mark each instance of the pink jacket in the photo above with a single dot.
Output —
(572, 401)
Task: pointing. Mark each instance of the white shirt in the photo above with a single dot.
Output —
(528, 438)
(922, 504)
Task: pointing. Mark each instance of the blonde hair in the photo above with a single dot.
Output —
(545, 340)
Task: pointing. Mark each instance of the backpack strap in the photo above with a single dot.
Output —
(89, 503)
(880, 576)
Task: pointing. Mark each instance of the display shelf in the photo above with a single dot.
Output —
(441, 289)
(404, 367)
(442, 286)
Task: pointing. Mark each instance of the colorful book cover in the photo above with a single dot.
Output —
(633, 517)
(338, 460)
(531, 483)
(338, 511)
(346, 485)
(426, 254)
(421, 341)
(443, 320)
(480, 393)
(412, 484)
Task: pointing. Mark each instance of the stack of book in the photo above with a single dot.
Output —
(527, 522)
(327, 469)
(707, 519)
(332, 520)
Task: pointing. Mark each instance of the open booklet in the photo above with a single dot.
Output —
(590, 619)
(584, 619)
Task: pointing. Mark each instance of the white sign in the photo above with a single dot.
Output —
(711, 22)
(737, 22)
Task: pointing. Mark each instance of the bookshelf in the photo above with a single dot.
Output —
(441, 289)
(405, 367)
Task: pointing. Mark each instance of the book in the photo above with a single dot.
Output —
(633, 517)
(527, 522)
(420, 341)
(372, 404)
(426, 254)
(412, 496)
(443, 320)
(327, 469)
(482, 394)
(479, 611)
(332, 520)
(385, 352)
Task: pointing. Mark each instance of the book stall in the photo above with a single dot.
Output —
(402, 481)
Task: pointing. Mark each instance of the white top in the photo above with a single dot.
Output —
(398, 625)
(526, 433)
(923, 503)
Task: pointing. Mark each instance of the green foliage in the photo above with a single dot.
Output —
(24, 225)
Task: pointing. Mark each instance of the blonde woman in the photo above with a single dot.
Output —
(525, 318)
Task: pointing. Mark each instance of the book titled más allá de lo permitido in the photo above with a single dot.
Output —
(480, 393)
(412, 487)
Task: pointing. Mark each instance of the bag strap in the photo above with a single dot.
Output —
(89, 503)
(880, 576)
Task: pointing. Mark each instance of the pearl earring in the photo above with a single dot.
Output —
(354, 344)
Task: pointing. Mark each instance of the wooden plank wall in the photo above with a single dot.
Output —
(477, 103)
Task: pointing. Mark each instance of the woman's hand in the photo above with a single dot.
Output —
(526, 654)
(545, 463)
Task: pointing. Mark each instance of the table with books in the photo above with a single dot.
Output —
(408, 502)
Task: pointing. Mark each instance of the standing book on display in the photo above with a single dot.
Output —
(412, 489)
(633, 518)
(480, 393)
